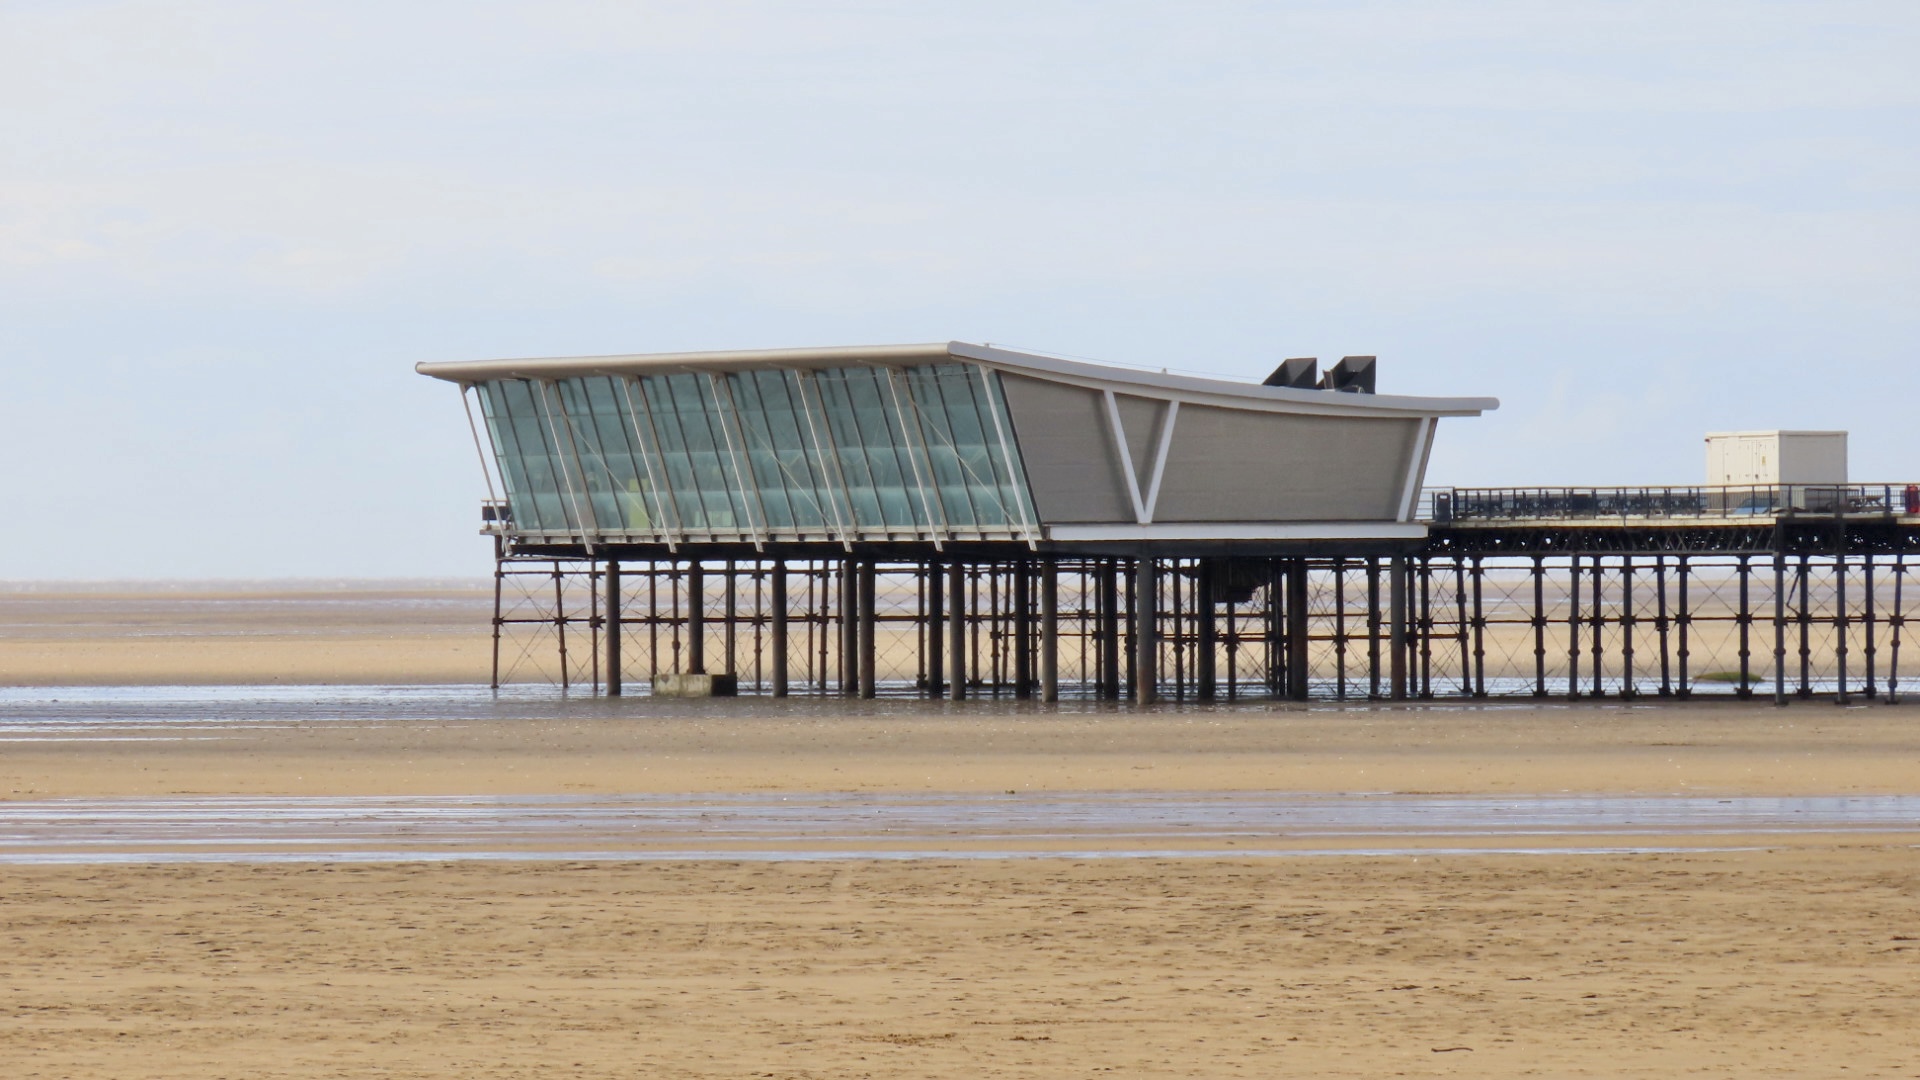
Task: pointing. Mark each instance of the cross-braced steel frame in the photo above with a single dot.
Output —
(1788, 610)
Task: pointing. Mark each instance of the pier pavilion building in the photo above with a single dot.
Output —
(956, 519)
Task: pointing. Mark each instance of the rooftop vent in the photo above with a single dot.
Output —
(1352, 375)
(1299, 373)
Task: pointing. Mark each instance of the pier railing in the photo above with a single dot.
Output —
(1444, 506)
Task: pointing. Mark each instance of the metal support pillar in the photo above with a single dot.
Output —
(1206, 662)
(868, 626)
(1660, 624)
(1146, 630)
(1898, 621)
(1299, 660)
(1177, 587)
(560, 626)
(819, 624)
(1022, 630)
(849, 628)
(1745, 621)
(1840, 627)
(1779, 627)
(1539, 626)
(1685, 622)
(499, 579)
(696, 618)
(1108, 582)
(1397, 627)
(1872, 689)
(1339, 629)
(1596, 622)
(778, 601)
(729, 630)
(1804, 620)
(1049, 631)
(758, 622)
(1373, 626)
(1273, 638)
(936, 630)
(1626, 627)
(1426, 626)
(957, 630)
(653, 618)
(990, 669)
(611, 583)
(1479, 628)
(1461, 631)
(1573, 629)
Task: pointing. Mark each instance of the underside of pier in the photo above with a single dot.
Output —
(1795, 607)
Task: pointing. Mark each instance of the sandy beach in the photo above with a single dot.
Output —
(1772, 964)
(1739, 955)
(227, 633)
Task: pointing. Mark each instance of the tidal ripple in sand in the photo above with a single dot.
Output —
(811, 827)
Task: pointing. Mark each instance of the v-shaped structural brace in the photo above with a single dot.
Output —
(1143, 501)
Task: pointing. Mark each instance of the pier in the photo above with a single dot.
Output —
(1517, 595)
(955, 520)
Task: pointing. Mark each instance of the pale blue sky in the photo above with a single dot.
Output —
(228, 230)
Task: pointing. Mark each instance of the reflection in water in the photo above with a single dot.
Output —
(1078, 824)
(762, 826)
(40, 713)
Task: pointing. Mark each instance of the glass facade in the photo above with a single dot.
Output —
(762, 454)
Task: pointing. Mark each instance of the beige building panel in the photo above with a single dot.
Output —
(1067, 446)
(1226, 465)
(1222, 464)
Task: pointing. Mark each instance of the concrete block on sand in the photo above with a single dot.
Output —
(686, 684)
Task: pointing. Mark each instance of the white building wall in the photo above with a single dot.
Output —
(1756, 458)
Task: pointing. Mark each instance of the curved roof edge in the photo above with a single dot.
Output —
(1104, 376)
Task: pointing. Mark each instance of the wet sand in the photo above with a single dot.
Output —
(817, 827)
(464, 743)
(1793, 956)
(1793, 963)
(1789, 957)
(204, 634)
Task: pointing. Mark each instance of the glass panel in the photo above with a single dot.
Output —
(674, 460)
(966, 447)
(852, 458)
(701, 470)
(506, 451)
(764, 422)
(609, 456)
(942, 443)
(750, 413)
(878, 431)
(866, 428)
(737, 478)
(536, 491)
(575, 512)
(1010, 474)
(780, 450)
